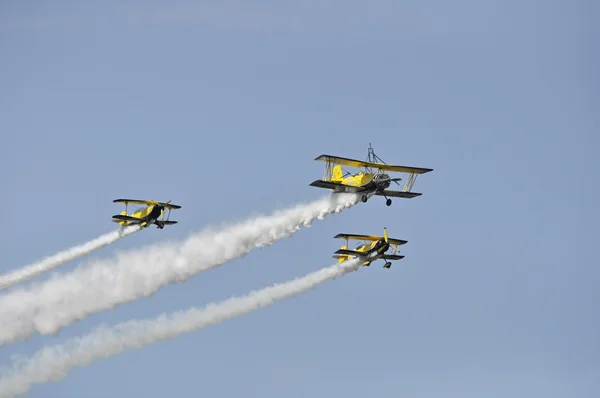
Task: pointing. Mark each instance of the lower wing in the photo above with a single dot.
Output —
(398, 194)
(164, 222)
(392, 257)
(347, 252)
(130, 219)
(336, 186)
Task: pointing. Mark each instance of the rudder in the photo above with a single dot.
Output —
(336, 173)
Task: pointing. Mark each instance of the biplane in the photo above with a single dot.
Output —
(373, 181)
(374, 248)
(146, 215)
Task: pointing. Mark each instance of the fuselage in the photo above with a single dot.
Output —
(379, 248)
(365, 182)
(148, 215)
(154, 214)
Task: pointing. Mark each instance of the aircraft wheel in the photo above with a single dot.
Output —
(388, 202)
(387, 265)
(364, 198)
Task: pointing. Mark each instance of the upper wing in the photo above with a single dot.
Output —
(336, 186)
(135, 201)
(398, 194)
(371, 238)
(147, 202)
(360, 163)
(169, 205)
(357, 237)
(393, 241)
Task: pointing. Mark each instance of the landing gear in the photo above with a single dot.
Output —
(387, 265)
(364, 198)
(388, 201)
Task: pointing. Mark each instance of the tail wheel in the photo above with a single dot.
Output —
(364, 198)
(388, 202)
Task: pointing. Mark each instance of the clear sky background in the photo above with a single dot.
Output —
(222, 106)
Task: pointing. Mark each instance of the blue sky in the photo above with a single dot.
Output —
(222, 107)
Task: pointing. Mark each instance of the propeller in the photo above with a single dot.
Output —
(163, 204)
(396, 180)
(385, 235)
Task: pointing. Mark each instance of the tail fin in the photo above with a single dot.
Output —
(336, 173)
(385, 235)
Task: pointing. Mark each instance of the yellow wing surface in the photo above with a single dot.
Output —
(147, 202)
(371, 238)
(381, 166)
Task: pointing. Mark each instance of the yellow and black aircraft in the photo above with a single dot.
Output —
(147, 215)
(377, 248)
(373, 180)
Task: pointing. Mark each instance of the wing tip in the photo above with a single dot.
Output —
(317, 183)
(397, 242)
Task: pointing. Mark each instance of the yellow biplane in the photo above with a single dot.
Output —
(376, 248)
(373, 180)
(147, 215)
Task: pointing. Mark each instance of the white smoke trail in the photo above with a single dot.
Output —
(60, 258)
(61, 301)
(54, 363)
